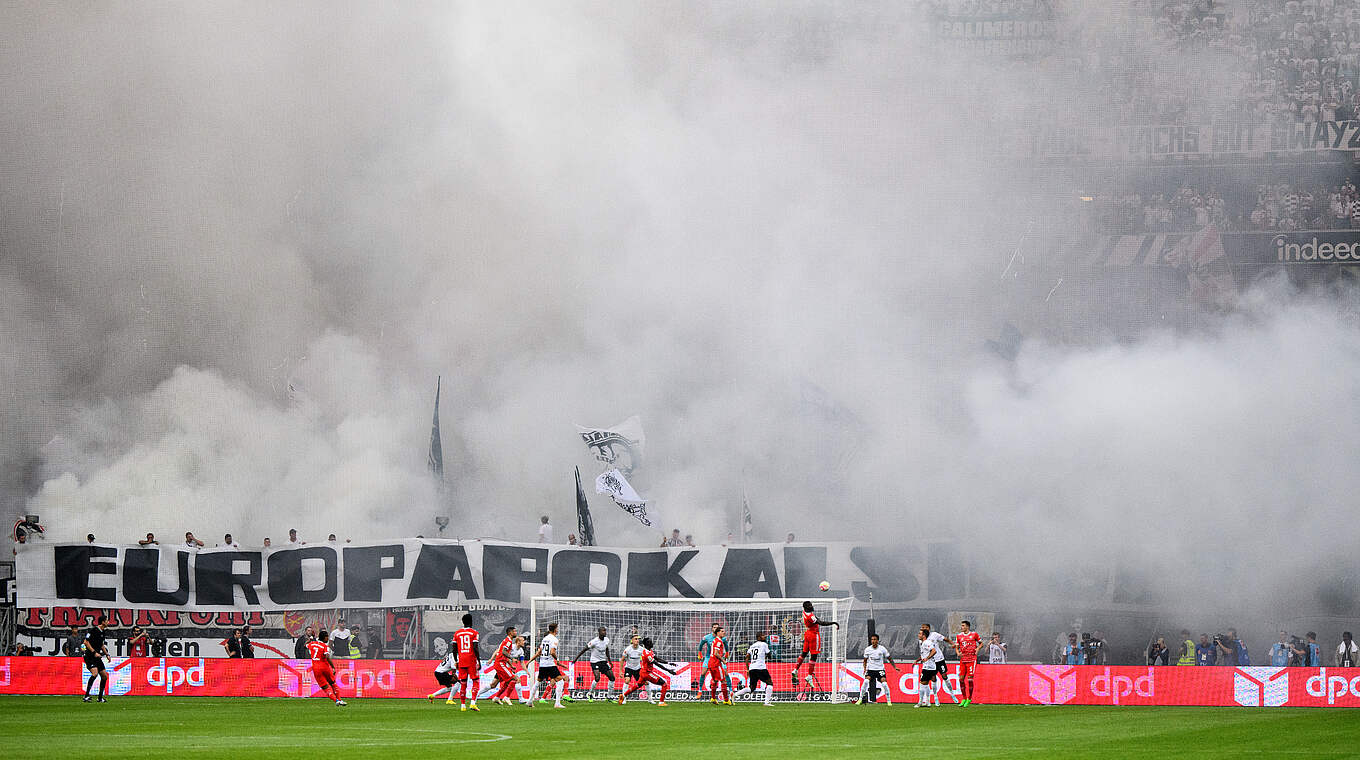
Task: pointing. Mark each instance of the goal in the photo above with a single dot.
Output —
(676, 627)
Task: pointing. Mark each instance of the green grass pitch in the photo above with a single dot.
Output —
(260, 729)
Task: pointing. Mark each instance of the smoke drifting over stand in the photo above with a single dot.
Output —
(773, 231)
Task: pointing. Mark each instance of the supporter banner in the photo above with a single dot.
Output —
(1168, 686)
(1119, 142)
(427, 572)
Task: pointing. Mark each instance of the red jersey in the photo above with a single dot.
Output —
(463, 639)
(505, 652)
(967, 646)
(716, 653)
(809, 621)
(648, 662)
(318, 651)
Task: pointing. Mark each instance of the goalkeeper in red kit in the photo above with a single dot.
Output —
(966, 643)
(322, 672)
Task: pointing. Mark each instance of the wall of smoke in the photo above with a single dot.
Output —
(240, 241)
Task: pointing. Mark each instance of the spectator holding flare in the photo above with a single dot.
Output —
(322, 670)
(966, 643)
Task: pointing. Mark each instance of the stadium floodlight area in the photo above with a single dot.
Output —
(676, 627)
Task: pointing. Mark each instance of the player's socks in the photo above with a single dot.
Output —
(769, 694)
(89, 683)
(103, 685)
(561, 687)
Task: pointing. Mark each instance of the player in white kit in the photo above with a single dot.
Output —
(757, 672)
(601, 667)
(926, 659)
(876, 658)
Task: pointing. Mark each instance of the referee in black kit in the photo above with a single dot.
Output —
(95, 651)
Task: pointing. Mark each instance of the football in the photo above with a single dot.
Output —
(824, 585)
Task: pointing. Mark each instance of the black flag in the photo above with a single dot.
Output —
(436, 446)
(585, 529)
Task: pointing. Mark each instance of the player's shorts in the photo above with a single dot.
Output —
(656, 678)
(604, 668)
(323, 676)
(548, 672)
(927, 675)
(631, 674)
(812, 642)
(504, 672)
(758, 675)
(443, 679)
(93, 661)
(881, 675)
(943, 667)
(467, 671)
(966, 670)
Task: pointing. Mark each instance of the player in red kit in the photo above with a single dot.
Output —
(649, 674)
(966, 643)
(322, 672)
(717, 662)
(469, 662)
(503, 663)
(812, 644)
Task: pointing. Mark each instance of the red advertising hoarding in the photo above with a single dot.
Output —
(1170, 685)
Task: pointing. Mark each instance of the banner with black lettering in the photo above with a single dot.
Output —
(1122, 142)
(424, 572)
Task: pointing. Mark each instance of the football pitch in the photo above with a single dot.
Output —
(170, 727)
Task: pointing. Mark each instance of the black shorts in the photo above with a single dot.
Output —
(757, 675)
(444, 679)
(604, 668)
(631, 674)
(927, 675)
(943, 667)
(548, 672)
(93, 661)
(881, 675)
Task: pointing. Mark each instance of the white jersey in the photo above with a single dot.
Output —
(756, 654)
(545, 652)
(447, 664)
(875, 656)
(938, 640)
(996, 653)
(517, 654)
(929, 651)
(599, 649)
(632, 657)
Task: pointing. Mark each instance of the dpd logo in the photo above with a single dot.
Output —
(170, 676)
(1052, 684)
(1260, 686)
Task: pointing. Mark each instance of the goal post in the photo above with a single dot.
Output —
(676, 627)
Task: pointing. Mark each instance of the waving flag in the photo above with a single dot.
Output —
(613, 483)
(618, 446)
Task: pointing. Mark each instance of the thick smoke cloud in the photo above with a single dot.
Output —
(768, 229)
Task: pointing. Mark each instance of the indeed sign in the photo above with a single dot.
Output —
(1313, 250)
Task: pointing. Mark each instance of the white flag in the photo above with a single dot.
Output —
(613, 483)
(619, 446)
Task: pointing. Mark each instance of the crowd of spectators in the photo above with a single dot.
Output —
(1274, 206)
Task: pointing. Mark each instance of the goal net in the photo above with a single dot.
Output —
(677, 626)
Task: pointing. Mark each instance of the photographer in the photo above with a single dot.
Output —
(1226, 644)
(139, 645)
(1206, 653)
(1158, 654)
(1348, 652)
(1280, 653)
(1093, 649)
